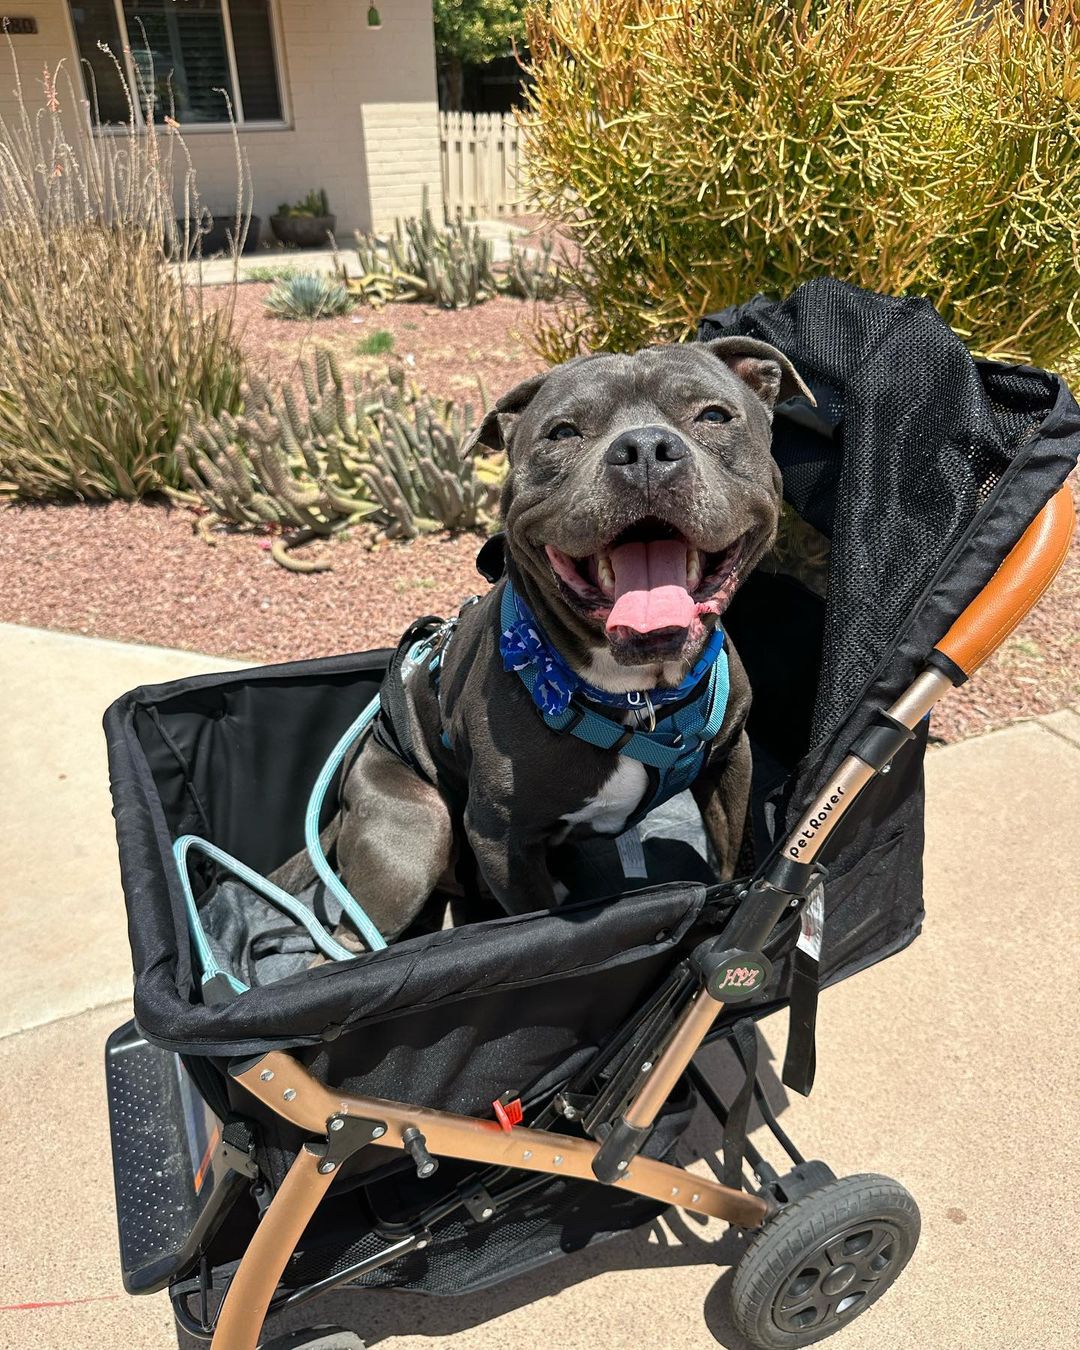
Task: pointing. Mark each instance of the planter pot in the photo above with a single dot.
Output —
(303, 231)
(216, 239)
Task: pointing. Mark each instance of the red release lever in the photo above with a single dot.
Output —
(508, 1114)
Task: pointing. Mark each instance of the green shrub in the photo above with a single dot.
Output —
(378, 343)
(386, 451)
(700, 152)
(308, 295)
(102, 345)
(269, 273)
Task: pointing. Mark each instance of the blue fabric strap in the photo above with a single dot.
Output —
(676, 748)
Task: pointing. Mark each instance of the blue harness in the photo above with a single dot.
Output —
(673, 743)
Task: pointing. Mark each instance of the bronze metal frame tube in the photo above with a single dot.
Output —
(283, 1084)
(286, 1087)
(690, 1031)
(274, 1241)
(851, 777)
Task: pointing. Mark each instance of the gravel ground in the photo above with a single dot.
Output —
(445, 350)
(137, 573)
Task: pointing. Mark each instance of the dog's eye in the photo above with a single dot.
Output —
(563, 431)
(714, 414)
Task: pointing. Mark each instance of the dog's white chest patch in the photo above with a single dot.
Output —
(618, 798)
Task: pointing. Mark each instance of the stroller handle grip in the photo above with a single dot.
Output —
(1015, 588)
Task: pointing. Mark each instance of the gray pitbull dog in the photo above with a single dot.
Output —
(640, 490)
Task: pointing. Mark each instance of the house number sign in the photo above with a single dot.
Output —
(17, 24)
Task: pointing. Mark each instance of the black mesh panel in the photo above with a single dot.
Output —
(909, 438)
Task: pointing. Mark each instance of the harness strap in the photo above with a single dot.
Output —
(674, 748)
(392, 729)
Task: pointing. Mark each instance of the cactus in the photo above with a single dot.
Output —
(449, 266)
(388, 452)
(532, 274)
(452, 266)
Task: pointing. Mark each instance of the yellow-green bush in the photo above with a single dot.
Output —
(704, 150)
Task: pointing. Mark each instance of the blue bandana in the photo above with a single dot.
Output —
(523, 644)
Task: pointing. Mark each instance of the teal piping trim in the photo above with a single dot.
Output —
(334, 885)
(285, 902)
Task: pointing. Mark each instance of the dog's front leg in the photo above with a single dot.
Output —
(512, 861)
(722, 795)
(395, 841)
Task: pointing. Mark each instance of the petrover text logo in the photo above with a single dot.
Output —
(815, 823)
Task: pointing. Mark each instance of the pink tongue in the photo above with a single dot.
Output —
(650, 587)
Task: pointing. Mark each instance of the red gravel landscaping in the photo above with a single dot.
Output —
(137, 573)
(444, 350)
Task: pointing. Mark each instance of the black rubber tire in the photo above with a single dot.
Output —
(788, 1261)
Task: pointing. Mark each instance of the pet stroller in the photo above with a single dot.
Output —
(474, 1100)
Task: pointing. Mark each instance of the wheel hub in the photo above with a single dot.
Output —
(839, 1279)
(831, 1283)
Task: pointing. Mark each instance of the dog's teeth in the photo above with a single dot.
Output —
(605, 574)
(693, 569)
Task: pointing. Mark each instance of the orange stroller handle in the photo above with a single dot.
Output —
(1015, 587)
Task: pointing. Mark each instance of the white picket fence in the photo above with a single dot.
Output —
(482, 167)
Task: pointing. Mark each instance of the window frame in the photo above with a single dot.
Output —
(202, 128)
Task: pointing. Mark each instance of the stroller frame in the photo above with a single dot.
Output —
(658, 1048)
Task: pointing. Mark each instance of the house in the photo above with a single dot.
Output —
(334, 94)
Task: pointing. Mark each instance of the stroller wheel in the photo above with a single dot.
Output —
(822, 1261)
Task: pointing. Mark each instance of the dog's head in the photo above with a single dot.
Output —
(640, 490)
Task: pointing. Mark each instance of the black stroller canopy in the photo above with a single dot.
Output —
(921, 464)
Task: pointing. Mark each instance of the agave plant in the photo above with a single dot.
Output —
(308, 295)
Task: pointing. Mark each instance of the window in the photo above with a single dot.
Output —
(194, 57)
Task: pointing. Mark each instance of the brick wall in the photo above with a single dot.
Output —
(363, 119)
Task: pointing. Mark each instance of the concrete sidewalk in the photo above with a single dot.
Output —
(952, 1067)
(252, 266)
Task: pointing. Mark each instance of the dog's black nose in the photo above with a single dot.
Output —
(646, 453)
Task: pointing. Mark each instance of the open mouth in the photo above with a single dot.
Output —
(649, 580)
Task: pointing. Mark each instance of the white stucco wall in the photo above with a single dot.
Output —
(361, 104)
(50, 45)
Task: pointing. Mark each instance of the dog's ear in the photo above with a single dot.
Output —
(497, 427)
(762, 367)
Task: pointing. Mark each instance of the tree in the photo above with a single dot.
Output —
(473, 32)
